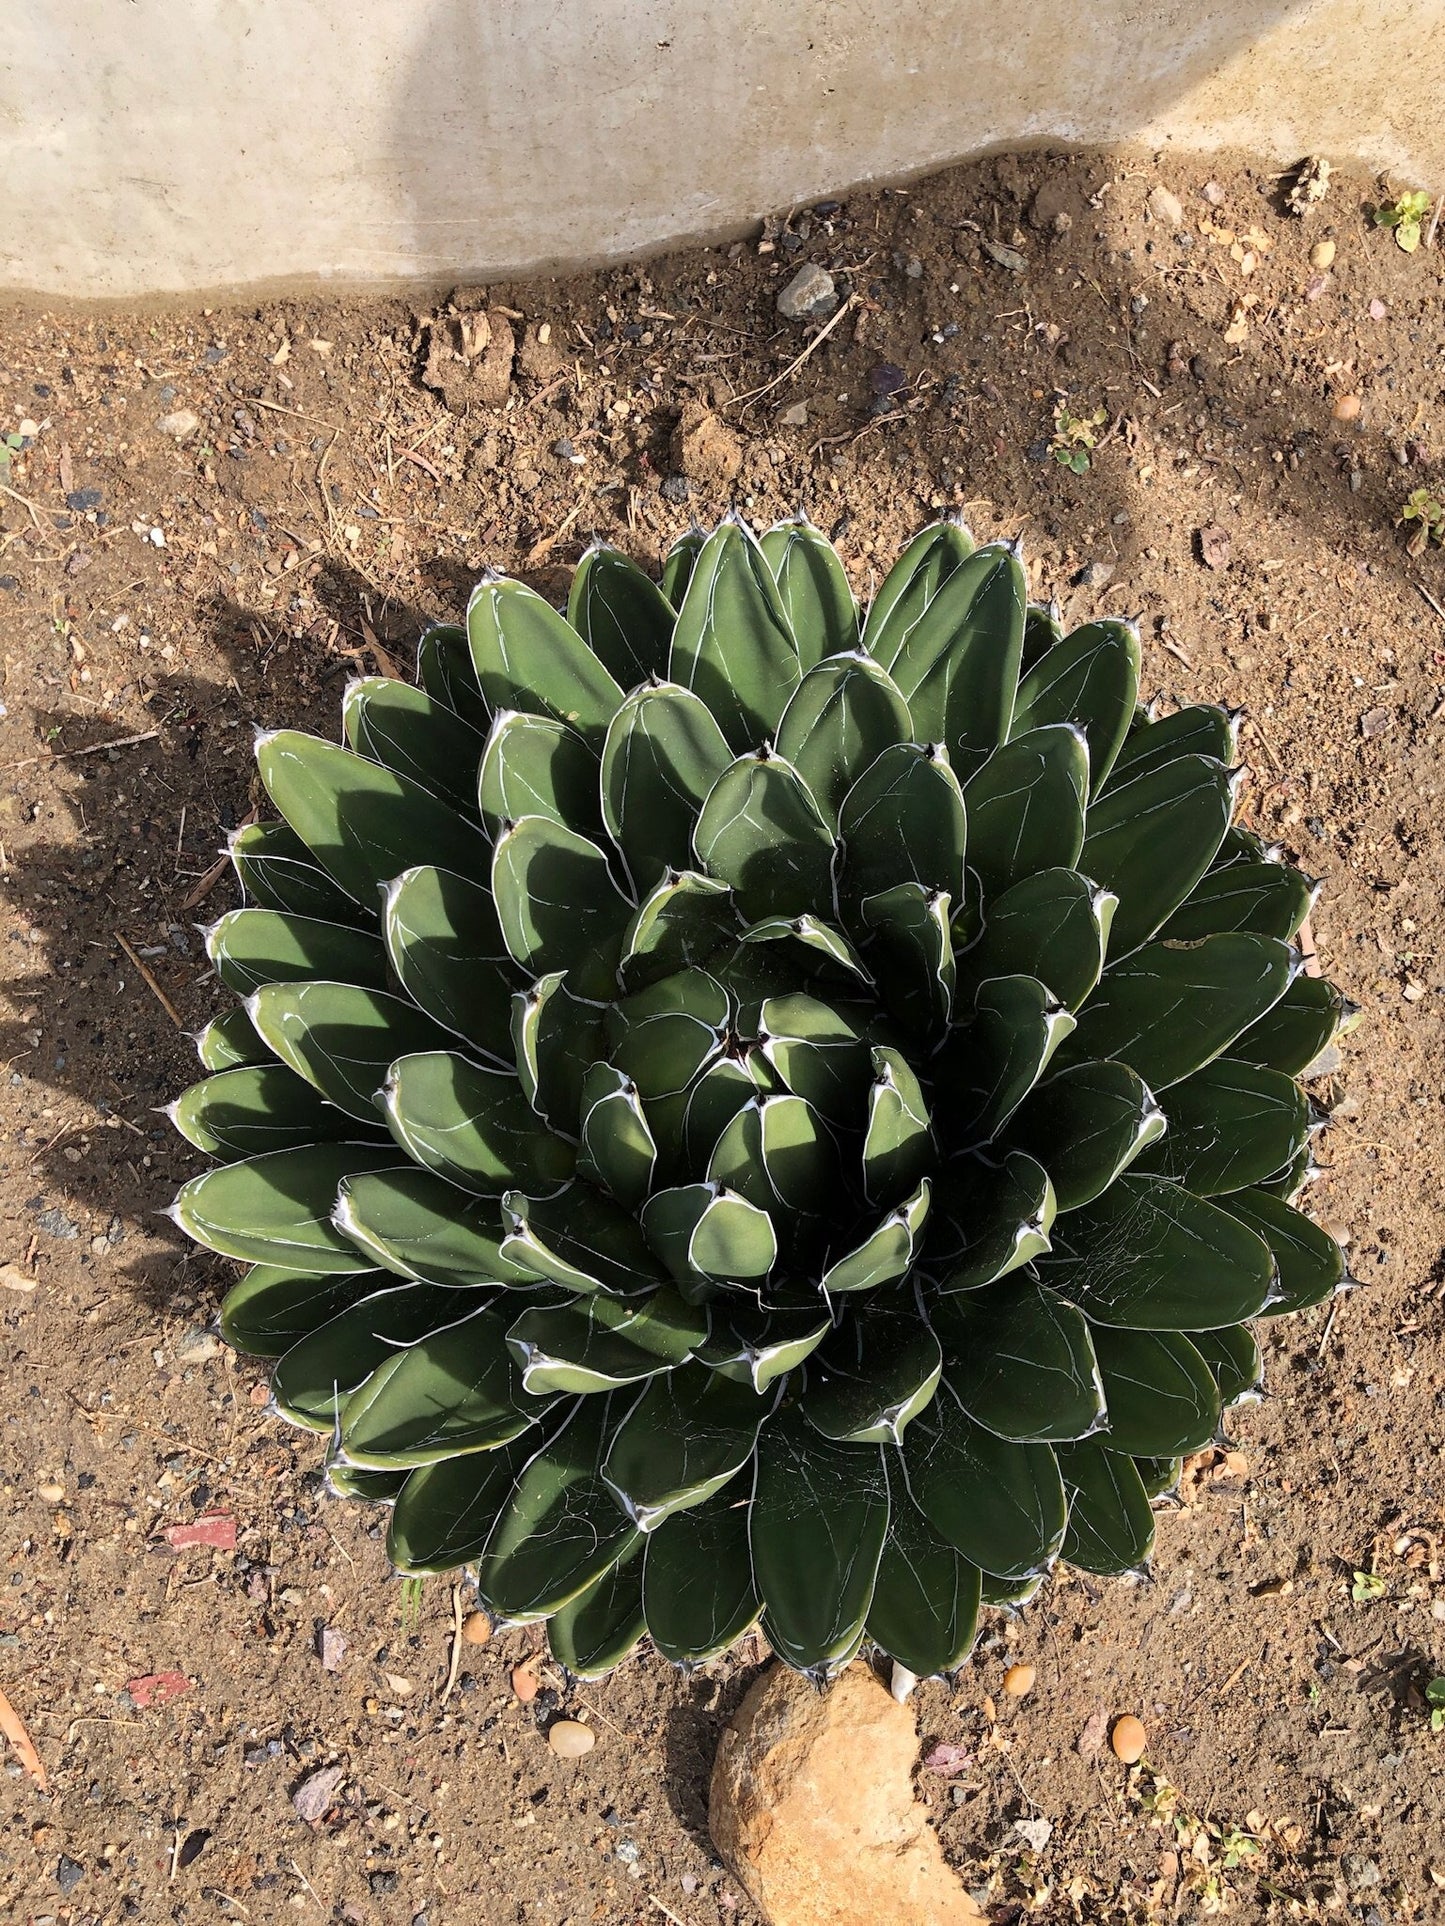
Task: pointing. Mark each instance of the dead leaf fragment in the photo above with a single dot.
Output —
(1006, 257)
(1092, 1737)
(946, 1758)
(12, 1278)
(1214, 546)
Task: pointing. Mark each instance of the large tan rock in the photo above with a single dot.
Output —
(812, 1806)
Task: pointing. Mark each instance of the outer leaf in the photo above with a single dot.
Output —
(1111, 1526)
(813, 588)
(560, 1529)
(1020, 1362)
(957, 664)
(339, 1038)
(759, 1347)
(818, 1520)
(1269, 898)
(1086, 1125)
(911, 586)
(276, 1209)
(662, 757)
(445, 1512)
(1042, 629)
(364, 824)
(405, 730)
(273, 1308)
(689, 1433)
(841, 717)
(230, 1042)
(761, 831)
(472, 1126)
(924, 1611)
(679, 563)
(528, 658)
(250, 947)
(454, 1390)
(1000, 1504)
(873, 1377)
(697, 1581)
(732, 645)
(1150, 1257)
(418, 1226)
(1151, 841)
(622, 615)
(1053, 925)
(243, 1113)
(598, 1629)
(1163, 1401)
(537, 766)
(318, 1374)
(557, 903)
(1296, 1027)
(1026, 807)
(903, 821)
(1172, 1008)
(1233, 1357)
(448, 674)
(446, 947)
(1230, 1125)
(1090, 678)
(1311, 1265)
(1197, 731)
(278, 872)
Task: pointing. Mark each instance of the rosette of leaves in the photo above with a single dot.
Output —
(742, 1112)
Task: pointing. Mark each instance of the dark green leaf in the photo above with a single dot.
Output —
(1171, 1008)
(1053, 925)
(364, 824)
(886, 1253)
(529, 658)
(579, 1238)
(537, 766)
(340, 1038)
(403, 729)
(1020, 1362)
(994, 1214)
(273, 1308)
(250, 947)
(446, 947)
(663, 755)
(277, 1209)
(924, 1611)
(1111, 1527)
(875, 1374)
(1196, 731)
(679, 563)
(242, 1113)
(1001, 1504)
(597, 1344)
(732, 645)
(1233, 1357)
(777, 1152)
(759, 1347)
(596, 1630)
(813, 588)
(555, 1037)
(445, 1512)
(989, 1065)
(1085, 1125)
(321, 1370)
(697, 1581)
(230, 1042)
(417, 1225)
(617, 1150)
(1295, 1027)
(898, 1142)
(454, 1390)
(910, 951)
(1310, 1263)
(472, 1126)
(841, 717)
(1042, 629)
(813, 942)
(685, 921)
(277, 869)
(705, 1233)
(1163, 1401)
(1090, 679)
(818, 1520)
(819, 1052)
(689, 1433)
(1230, 1125)
(557, 903)
(911, 586)
(903, 821)
(761, 831)
(1152, 1257)
(1026, 807)
(1158, 1475)
(1270, 898)
(622, 616)
(663, 1035)
(448, 674)
(560, 1530)
(1151, 841)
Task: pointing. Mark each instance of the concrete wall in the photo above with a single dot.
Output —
(169, 146)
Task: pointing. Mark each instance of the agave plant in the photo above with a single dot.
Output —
(744, 1112)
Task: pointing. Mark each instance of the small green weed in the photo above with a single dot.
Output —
(1075, 437)
(1425, 508)
(1406, 215)
(1368, 1586)
(1435, 1699)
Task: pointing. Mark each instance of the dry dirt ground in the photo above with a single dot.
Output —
(164, 587)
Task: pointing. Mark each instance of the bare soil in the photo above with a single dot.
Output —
(165, 594)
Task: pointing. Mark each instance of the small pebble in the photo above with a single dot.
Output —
(525, 1682)
(1018, 1680)
(571, 1740)
(476, 1628)
(794, 417)
(1347, 408)
(1128, 1739)
(1164, 206)
(809, 295)
(1322, 254)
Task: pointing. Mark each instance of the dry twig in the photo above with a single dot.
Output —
(756, 394)
(90, 749)
(150, 982)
